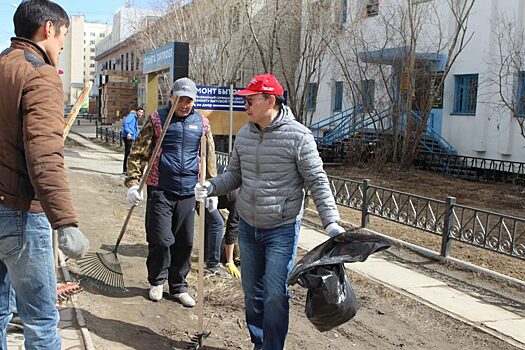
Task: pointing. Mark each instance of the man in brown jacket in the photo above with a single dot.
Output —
(34, 192)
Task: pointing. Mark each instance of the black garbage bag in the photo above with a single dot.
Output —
(330, 300)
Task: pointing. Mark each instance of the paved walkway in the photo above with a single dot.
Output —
(488, 317)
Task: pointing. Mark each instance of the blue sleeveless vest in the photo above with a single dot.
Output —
(179, 161)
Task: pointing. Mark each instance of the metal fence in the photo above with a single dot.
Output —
(108, 134)
(472, 167)
(499, 233)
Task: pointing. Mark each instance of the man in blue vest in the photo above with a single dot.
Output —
(170, 209)
(130, 130)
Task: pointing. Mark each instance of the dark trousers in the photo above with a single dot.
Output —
(232, 223)
(169, 232)
(127, 150)
(213, 237)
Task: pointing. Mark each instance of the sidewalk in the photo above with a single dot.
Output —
(488, 317)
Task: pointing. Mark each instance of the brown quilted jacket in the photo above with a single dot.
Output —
(32, 174)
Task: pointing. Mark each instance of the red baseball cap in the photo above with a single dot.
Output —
(264, 83)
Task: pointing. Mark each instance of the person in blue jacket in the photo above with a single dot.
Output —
(130, 130)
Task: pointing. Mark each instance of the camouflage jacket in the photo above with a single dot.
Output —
(144, 145)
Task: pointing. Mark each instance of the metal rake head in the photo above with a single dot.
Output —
(66, 290)
(197, 340)
(103, 270)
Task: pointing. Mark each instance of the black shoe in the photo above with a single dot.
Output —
(218, 270)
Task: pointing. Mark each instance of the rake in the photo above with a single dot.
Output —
(104, 269)
(68, 287)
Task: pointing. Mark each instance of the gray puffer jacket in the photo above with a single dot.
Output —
(272, 166)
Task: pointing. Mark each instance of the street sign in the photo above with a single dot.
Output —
(217, 98)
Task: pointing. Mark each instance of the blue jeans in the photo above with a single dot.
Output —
(267, 257)
(27, 267)
(213, 237)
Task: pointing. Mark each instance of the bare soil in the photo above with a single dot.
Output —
(386, 319)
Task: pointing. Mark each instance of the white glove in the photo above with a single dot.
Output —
(201, 191)
(134, 197)
(211, 203)
(334, 229)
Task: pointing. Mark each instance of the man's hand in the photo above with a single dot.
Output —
(334, 229)
(128, 137)
(134, 197)
(211, 203)
(233, 270)
(72, 242)
(201, 192)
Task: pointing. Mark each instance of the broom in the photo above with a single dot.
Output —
(104, 268)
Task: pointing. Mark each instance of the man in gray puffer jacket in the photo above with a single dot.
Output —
(274, 157)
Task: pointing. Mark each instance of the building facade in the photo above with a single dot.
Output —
(119, 64)
(482, 101)
(77, 60)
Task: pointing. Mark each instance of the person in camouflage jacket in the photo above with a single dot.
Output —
(170, 202)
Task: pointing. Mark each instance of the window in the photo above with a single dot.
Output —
(367, 94)
(92, 49)
(235, 19)
(372, 8)
(520, 98)
(311, 98)
(92, 42)
(338, 97)
(92, 34)
(344, 11)
(466, 94)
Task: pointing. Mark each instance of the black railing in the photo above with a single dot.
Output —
(499, 233)
(472, 167)
(108, 134)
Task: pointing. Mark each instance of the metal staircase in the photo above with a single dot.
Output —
(338, 134)
(347, 131)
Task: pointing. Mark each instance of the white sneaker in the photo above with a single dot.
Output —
(155, 292)
(185, 299)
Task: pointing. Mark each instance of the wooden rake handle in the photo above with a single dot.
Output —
(76, 107)
(147, 170)
(202, 214)
(69, 122)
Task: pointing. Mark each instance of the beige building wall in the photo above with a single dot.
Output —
(77, 60)
(93, 34)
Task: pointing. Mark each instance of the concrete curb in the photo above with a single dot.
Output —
(86, 336)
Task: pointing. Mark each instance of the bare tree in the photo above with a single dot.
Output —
(214, 31)
(509, 58)
(409, 51)
(319, 27)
